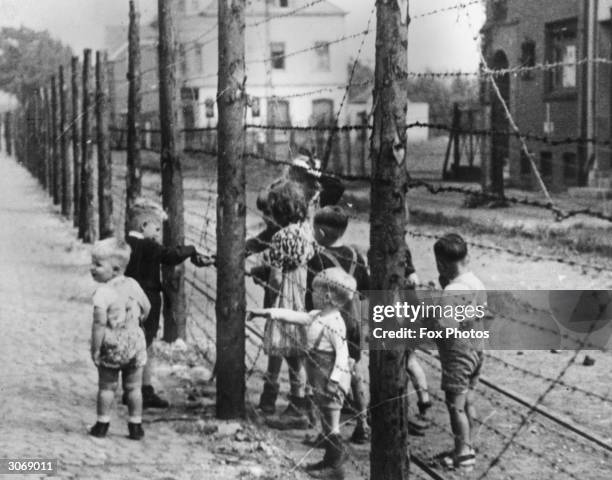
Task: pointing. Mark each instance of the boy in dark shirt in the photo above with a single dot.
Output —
(330, 223)
(148, 254)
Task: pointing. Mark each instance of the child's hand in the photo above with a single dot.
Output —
(200, 260)
(95, 356)
(413, 280)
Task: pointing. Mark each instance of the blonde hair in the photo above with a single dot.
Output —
(340, 285)
(117, 251)
(143, 211)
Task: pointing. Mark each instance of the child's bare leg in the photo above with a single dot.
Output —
(105, 403)
(330, 421)
(418, 379)
(460, 425)
(108, 380)
(359, 396)
(132, 385)
(147, 372)
(471, 415)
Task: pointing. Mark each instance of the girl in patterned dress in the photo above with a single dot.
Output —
(290, 250)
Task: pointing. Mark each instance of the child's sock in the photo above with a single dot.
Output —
(134, 419)
(103, 419)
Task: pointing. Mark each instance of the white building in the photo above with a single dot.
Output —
(288, 56)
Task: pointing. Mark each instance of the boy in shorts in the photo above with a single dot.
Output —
(327, 360)
(461, 358)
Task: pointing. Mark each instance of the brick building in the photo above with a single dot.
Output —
(570, 100)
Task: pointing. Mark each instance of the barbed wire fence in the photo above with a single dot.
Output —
(38, 139)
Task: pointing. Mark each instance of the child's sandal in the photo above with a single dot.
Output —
(464, 462)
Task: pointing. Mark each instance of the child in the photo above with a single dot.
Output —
(289, 251)
(117, 341)
(330, 224)
(327, 359)
(461, 359)
(144, 237)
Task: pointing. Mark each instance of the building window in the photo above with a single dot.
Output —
(277, 55)
(210, 108)
(528, 58)
(199, 59)
(561, 47)
(570, 171)
(190, 94)
(499, 10)
(321, 50)
(546, 164)
(182, 53)
(255, 106)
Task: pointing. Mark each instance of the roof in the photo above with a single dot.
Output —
(304, 7)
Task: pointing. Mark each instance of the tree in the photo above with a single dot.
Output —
(28, 58)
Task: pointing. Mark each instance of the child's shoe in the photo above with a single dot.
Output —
(332, 465)
(465, 462)
(150, 399)
(99, 430)
(135, 431)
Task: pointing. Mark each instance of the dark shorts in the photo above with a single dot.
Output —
(319, 366)
(461, 371)
(151, 323)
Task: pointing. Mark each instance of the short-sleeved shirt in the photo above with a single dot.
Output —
(123, 302)
(474, 295)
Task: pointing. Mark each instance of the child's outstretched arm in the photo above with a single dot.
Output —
(282, 315)
(97, 333)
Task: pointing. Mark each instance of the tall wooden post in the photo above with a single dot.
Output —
(8, 137)
(87, 225)
(456, 140)
(172, 176)
(133, 174)
(40, 143)
(105, 174)
(389, 456)
(112, 99)
(76, 139)
(48, 141)
(231, 212)
(66, 166)
(56, 170)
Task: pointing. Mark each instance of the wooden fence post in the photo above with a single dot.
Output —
(48, 141)
(87, 225)
(66, 166)
(389, 457)
(231, 212)
(56, 170)
(133, 178)
(8, 140)
(172, 176)
(76, 139)
(105, 174)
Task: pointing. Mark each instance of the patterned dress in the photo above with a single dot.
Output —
(290, 250)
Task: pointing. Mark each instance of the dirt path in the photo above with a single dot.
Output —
(47, 381)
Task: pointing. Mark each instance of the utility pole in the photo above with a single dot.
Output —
(175, 315)
(87, 225)
(389, 457)
(105, 174)
(63, 147)
(231, 212)
(56, 175)
(133, 174)
(76, 140)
